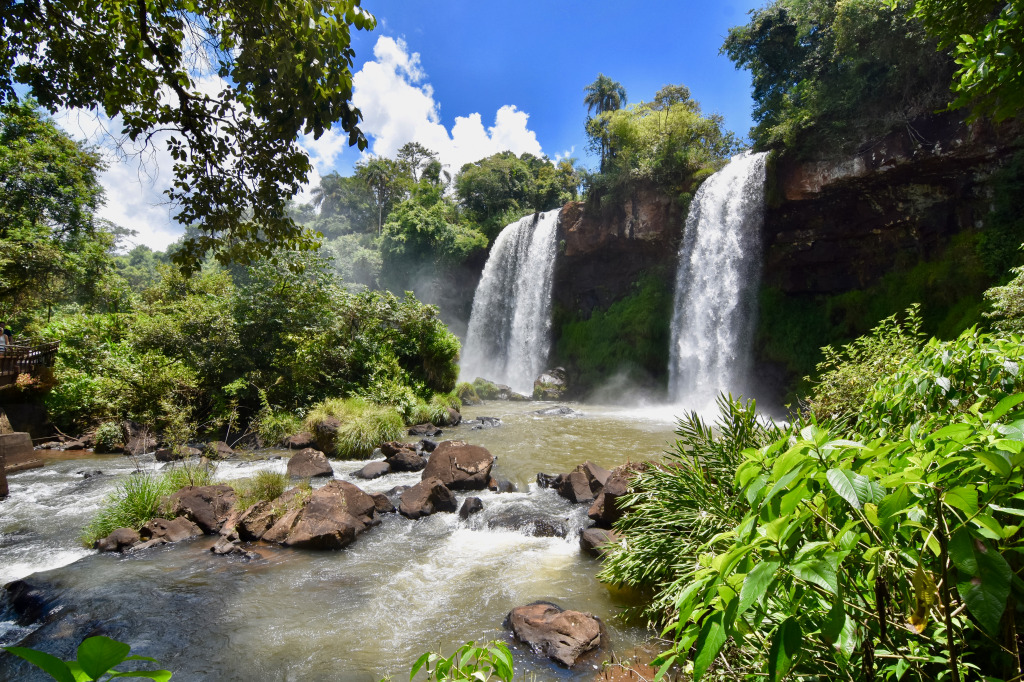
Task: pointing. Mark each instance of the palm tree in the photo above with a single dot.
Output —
(604, 95)
(327, 197)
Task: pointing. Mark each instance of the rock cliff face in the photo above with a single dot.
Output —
(602, 253)
(839, 224)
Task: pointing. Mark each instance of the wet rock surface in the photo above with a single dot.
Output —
(460, 466)
(309, 463)
(207, 506)
(427, 497)
(563, 636)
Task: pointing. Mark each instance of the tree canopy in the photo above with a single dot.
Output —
(230, 82)
(603, 95)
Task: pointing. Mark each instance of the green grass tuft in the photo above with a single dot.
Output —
(265, 485)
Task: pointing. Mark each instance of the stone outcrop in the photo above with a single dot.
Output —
(299, 441)
(427, 497)
(207, 506)
(594, 540)
(551, 385)
(118, 541)
(460, 466)
(563, 636)
(309, 463)
(333, 517)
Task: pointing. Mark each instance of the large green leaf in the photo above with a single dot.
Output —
(983, 579)
(834, 623)
(785, 646)
(709, 642)
(1005, 405)
(99, 654)
(756, 583)
(155, 675)
(964, 498)
(855, 488)
(820, 572)
(55, 667)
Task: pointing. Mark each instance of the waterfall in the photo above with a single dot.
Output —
(716, 285)
(509, 332)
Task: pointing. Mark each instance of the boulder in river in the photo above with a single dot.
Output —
(333, 517)
(427, 429)
(118, 541)
(169, 530)
(207, 506)
(309, 463)
(460, 466)
(374, 470)
(325, 433)
(299, 441)
(605, 511)
(470, 506)
(528, 525)
(406, 459)
(218, 449)
(551, 385)
(382, 504)
(594, 540)
(552, 411)
(563, 636)
(177, 453)
(427, 497)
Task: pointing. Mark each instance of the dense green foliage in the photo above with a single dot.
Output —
(832, 75)
(666, 143)
(230, 83)
(490, 660)
(793, 329)
(52, 248)
(886, 544)
(987, 40)
(362, 425)
(630, 337)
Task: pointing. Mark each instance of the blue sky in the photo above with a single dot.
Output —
(468, 79)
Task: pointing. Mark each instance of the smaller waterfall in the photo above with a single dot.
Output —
(716, 285)
(509, 334)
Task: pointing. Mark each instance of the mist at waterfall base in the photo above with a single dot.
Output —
(404, 587)
(509, 335)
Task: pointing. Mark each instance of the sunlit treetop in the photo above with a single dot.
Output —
(227, 85)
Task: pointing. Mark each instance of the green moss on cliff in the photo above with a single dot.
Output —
(630, 337)
(793, 328)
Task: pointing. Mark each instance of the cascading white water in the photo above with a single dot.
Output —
(716, 285)
(509, 334)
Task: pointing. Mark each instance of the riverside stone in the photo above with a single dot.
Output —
(563, 636)
(460, 466)
(207, 506)
(118, 541)
(309, 463)
(593, 541)
(427, 497)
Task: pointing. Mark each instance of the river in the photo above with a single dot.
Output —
(361, 613)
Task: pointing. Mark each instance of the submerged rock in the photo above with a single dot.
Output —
(470, 506)
(118, 541)
(563, 636)
(427, 429)
(551, 411)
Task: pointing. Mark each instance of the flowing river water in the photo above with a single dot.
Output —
(402, 588)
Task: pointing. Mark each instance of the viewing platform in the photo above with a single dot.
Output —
(19, 359)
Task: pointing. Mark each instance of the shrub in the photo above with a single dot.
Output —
(364, 426)
(187, 473)
(847, 374)
(108, 436)
(273, 425)
(135, 501)
(486, 390)
(469, 662)
(264, 486)
(467, 393)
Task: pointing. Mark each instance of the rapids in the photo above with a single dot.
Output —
(357, 614)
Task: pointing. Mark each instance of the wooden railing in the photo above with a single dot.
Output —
(19, 359)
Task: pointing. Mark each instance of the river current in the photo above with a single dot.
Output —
(361, 613)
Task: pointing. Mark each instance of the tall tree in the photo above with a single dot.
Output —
(234, 82)
(603, 95)
(51, 246)
(413, 156)
(383, 176)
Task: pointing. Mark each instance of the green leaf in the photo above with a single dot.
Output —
(854, 488)
(99, 654)
(1005, 405)
(155, 675)
(984, 578)
(834, 623)
(709, 642)
(785, 646)
(963, 498)
(756, 583)
(52, 665)
(420, 662)
(820, 572)
(995, 461)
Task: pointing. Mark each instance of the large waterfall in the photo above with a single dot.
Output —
(509, 332)
(716, 285)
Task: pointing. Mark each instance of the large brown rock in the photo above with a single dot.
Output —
(300, 441)
(373, 470)
(460, 466)
(427, 497)
(118, 541)
(309, 463)
(169, 530)
(176, 454)
(406, 460)
(594, 541)
(325, 433)
(207, 506)
(332, 518)
(606, 510)
(563, 636)
(218, 449)
(575, 487)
